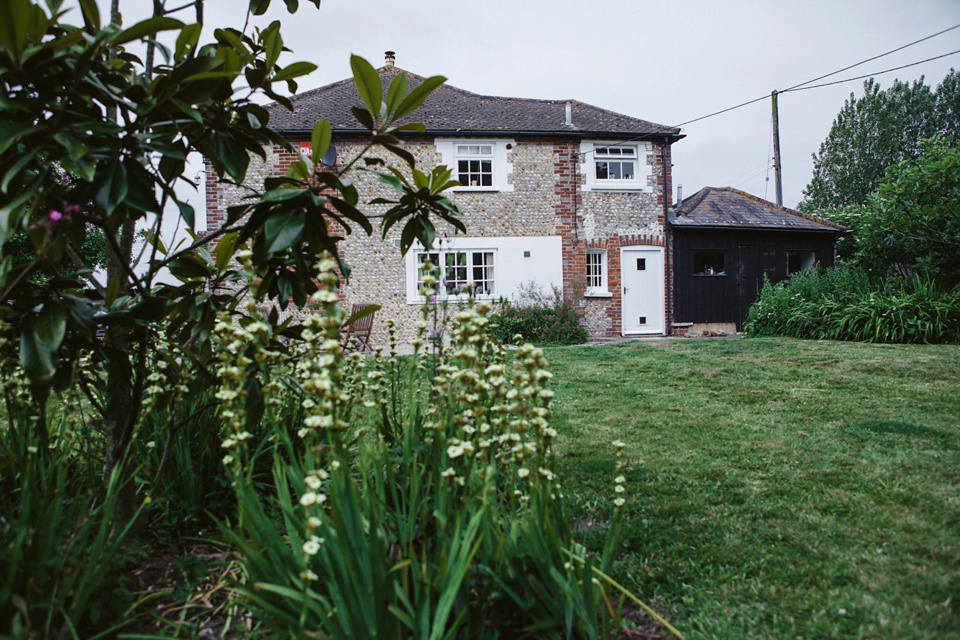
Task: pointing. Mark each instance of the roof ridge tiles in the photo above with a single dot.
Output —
(451, 108)
(730, 207)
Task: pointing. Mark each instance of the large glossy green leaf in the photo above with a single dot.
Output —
(283, 231)
(368, 83)
(36, 359)
(40, 341)
(320, 140)
(113, 186)
(417, 96)
(273, 46)
(232, 156)
(147, 28)
(224, 250)
(91, 14)
(363, 116)
(187, 213)
(17, 169)
(51, 326)
(294, 70)
(187, 40)
(396, 92)
(14, 16)
(10, 132)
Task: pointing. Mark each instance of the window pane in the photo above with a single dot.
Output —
(615, 171)
(627, 168)
(601, 171)
(800, 261)
(709, 262)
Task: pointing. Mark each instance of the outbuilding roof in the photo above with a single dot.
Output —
(453, 111)
(726, 207)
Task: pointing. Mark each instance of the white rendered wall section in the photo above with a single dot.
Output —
(517, 260)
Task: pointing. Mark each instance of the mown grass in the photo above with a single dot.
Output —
(778, 488)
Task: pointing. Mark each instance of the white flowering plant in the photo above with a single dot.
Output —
(414, 496)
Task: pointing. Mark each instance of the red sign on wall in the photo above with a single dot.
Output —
(305, 149)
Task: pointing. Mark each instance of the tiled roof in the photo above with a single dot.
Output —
(732, 208)
(453, 111)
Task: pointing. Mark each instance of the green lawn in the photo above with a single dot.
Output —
(778, 488)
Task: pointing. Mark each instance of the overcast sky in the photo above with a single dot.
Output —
(668, 61)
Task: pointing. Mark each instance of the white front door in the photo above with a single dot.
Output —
(641, 279)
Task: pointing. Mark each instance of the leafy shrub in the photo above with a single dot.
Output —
(539, 318)
(846, 304)
(433, 512)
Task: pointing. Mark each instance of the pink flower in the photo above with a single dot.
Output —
(55, 216)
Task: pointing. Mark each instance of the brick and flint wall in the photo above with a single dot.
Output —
(547, 199)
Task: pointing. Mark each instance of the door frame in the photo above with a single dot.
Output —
(662, 323)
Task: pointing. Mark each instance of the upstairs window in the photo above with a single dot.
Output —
(475, 165)
(611, 165)
(616, 163)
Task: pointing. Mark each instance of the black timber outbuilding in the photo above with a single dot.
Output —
(723, 243)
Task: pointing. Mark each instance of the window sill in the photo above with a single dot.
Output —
(616, 186)
(475, 190)
(597, 293)
(453, 300)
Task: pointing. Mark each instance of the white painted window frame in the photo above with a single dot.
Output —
(599, 289)
(642, 170)
(501, 166)
(415, 278)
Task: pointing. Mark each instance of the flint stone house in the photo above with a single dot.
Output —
(554, 192)
(724, 242)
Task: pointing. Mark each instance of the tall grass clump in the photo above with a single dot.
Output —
(539, 318)
(411, 497)
(845, 303)
(61, 558)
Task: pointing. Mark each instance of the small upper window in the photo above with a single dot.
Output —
(798, 261)
(475, 165)
(709, 262)
(616, 163)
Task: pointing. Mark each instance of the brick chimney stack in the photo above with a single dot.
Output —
(389, 58)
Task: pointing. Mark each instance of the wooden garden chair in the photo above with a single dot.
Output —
(356, 335)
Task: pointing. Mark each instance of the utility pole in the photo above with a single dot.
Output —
(776, 150)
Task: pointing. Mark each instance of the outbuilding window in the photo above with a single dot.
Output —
(798, 261)
(709, 262)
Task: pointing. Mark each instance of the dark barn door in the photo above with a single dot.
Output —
(755, 260)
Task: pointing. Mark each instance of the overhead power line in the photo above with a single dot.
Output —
(870, 75)
(802, 85)
(833, 73)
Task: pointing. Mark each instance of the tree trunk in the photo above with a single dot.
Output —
(124, 379)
